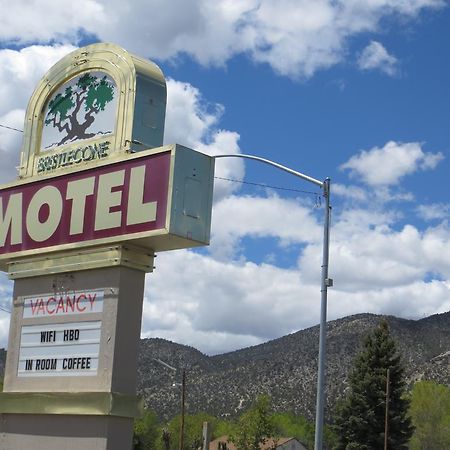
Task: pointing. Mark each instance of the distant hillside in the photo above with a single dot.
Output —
(286, 368)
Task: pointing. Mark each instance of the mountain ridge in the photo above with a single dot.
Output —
(224, 385)
(286, 368)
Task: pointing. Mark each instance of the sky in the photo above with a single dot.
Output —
(354, 90)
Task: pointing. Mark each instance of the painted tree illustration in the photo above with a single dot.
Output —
(74, 111)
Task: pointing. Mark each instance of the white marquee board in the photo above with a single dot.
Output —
(54, 348)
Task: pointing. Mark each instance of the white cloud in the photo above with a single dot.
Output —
(349, 192)
(376, 57)
(217, 304)
(189, 117)
(434, 211)
(4, 328)
(412, 301)
(221, 301)
(192, 121)
(21, 70)
(296, 38)
(256, 217)
(386, 166)
(29, 21)
(5, 303)
(10, 143)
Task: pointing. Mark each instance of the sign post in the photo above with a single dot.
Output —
(97, 196)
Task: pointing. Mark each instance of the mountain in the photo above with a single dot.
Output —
(285, 368)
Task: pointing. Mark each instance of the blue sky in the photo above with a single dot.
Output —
(355, 90)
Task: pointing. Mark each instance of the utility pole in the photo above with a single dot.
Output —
(325, 284)
(386, 419)
(183, 398)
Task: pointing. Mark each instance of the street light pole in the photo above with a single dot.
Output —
(325, 284)
(183, 400)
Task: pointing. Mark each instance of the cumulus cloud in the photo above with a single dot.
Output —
(376, 57)
(42, 21)
(189, 116)
(10, 143)
(285, 220)
(216, 303)
(295, 38)
(5, 305)
(21, 70)
(350, 192)
(386, 166)
(412, 301)
(193, 122)
(219, 300)
(434, 211)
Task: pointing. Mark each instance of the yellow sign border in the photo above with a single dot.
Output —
(111, 59)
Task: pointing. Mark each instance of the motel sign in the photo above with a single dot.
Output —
(96, 196)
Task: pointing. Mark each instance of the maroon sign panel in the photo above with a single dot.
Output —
(110, 201)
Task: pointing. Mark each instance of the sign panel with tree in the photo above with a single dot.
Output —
(83, 108)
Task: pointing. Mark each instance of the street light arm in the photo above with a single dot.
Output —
(274, 164)
(326, 282)
(165, 364)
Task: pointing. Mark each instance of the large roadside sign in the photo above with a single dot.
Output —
(97, 195)
(159, 199)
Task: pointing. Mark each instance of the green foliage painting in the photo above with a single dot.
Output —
(73, 110)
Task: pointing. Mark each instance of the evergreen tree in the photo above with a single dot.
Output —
(360, 421)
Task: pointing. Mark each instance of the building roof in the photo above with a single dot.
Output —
(268, 445)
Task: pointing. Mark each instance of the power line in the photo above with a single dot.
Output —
(222, 178)
(11, 128)
(268, 186)
(4, 309)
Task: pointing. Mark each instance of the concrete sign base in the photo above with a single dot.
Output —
(71, 369)
(42, 432)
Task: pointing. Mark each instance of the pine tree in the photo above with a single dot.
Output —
(360, 421)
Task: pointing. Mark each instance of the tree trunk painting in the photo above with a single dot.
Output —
(73, 111)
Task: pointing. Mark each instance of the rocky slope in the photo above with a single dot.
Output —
(285, 368)
(225, 385)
